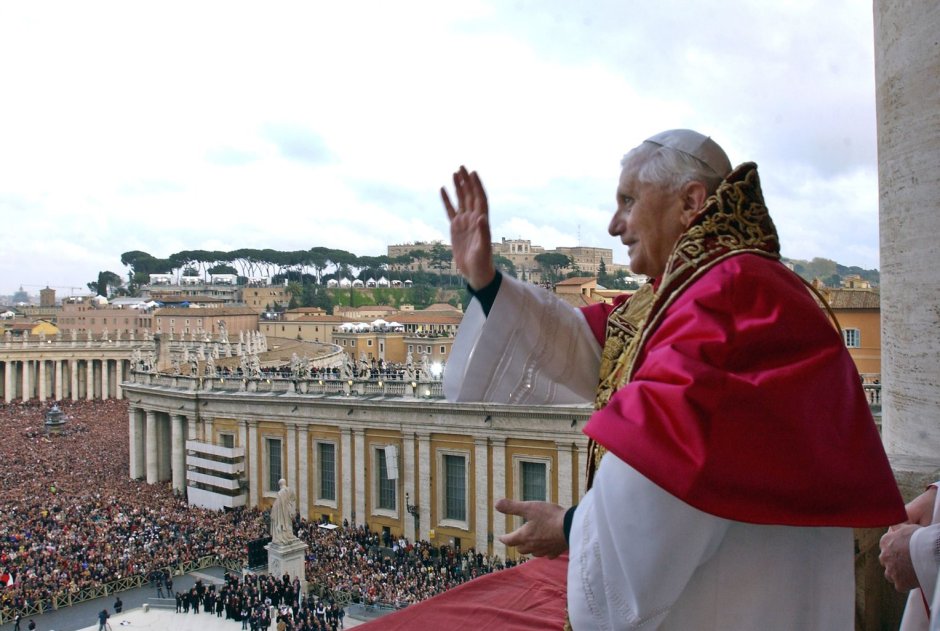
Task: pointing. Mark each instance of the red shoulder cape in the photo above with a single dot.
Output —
(746, 404)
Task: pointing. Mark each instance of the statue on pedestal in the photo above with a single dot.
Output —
(282, 515)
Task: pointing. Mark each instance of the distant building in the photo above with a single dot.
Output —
(857, 306)
(307, 328)
(84, 315)
(190, 321)
(47, 297)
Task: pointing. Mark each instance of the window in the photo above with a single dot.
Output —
(327, 470)
(411, 348)
(368, 342)
(274, 464)
(852, 337)
(386, 486)
(532, 481)
(455, 487)
(227, 440)
(443, 350)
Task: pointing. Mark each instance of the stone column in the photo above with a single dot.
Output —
(254, 482)
(346, 455)
(41, 381)
(481, 490)
(90, 380)
(151, 447)
(136, 446)
(408, 474)
(208, 432)
(105, 380)
(907, 82)
(73, 379)
(9, 369)
(164, 448)
(290, 471)
(59, 390)
(119, 372)
(178, 452)
(359, 448)
(565, 481)
(191, 430)
(303, 473)
(499, 490)
(27, 387)
(907, 74)
(424, 476)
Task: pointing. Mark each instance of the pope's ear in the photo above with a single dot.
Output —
(694, 195)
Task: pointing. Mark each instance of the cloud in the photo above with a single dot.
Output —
(175, 126)
(298, 142)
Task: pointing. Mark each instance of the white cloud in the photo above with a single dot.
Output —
(173, 126)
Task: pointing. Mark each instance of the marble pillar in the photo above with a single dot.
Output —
(290, 467)
(178, 452)
(150, 445)
(105, 380)
(499, 490)
(73, 379)
(360, 481)
(303, 473)
(346, 456)
(411, 489)
(424, 481)
(8, 382)
(137, 454)
(482, 501)
(27, 387)
(59, 390)
(41, 380)
(90, 380)
(254, 474)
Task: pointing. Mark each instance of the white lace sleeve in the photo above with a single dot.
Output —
(533, 348)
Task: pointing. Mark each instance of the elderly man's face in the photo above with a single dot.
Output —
(648, 220)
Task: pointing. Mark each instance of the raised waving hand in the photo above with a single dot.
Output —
(470, 229)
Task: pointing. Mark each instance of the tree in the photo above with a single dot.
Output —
(504, 265)
(552, 263)
(106, 280)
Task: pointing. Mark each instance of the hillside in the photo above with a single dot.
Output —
(831, 272)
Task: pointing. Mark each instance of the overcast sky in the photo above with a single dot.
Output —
(167, 126)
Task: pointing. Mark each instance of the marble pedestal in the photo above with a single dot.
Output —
(288, 558)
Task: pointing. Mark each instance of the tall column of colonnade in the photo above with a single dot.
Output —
(907, 72)
(53, 378)
(907, 92)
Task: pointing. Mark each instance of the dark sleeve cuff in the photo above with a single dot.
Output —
(487, 295)
(569, 517)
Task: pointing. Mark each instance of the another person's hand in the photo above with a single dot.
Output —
(470, 229)
(920, 509)
(896, 557)
(543, 533)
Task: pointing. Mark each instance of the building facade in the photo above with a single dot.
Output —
(411, 465)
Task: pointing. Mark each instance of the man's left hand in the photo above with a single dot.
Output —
(896, 557)
(543, 533)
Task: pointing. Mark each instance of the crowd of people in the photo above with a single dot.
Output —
(70, 519)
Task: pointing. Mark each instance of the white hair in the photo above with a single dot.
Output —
(667, 167)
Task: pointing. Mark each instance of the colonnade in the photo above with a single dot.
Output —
(60, 378)
(162, 420)
(157, 442)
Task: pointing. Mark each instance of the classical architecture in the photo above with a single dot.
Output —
(390, 454)
(67, 366)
